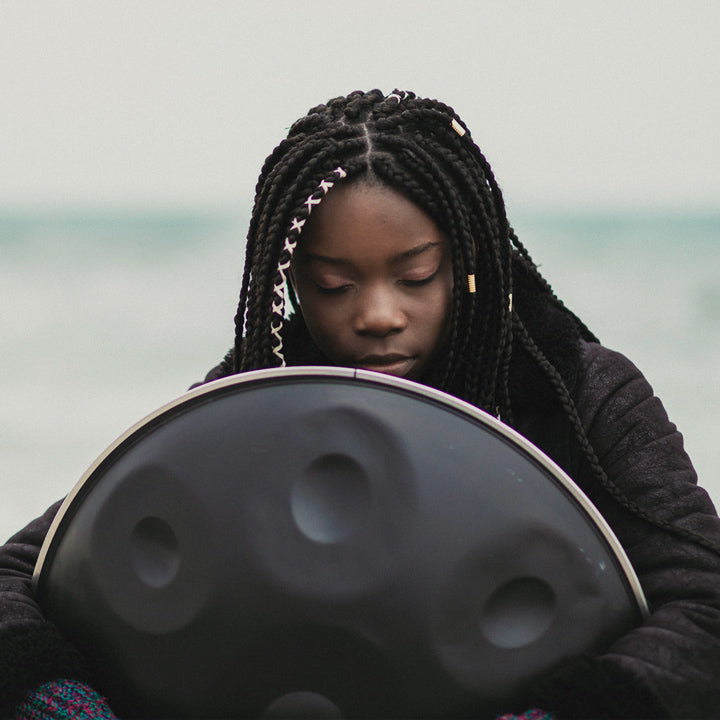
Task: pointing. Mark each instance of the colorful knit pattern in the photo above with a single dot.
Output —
(62, 700)
(534, 714)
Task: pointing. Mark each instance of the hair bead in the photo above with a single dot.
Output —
(457, 127)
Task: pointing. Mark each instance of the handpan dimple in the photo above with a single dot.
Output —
(331, 513)
(147, 547)
(155, 552)
(518, 612)
(331, 498)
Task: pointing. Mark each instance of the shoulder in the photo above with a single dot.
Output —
(605, 370)
(221, 370)
(637, 444)
(611, 388)
(617, 405)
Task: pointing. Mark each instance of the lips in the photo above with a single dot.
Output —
(391, 364)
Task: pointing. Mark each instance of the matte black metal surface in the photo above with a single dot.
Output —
(329, 542)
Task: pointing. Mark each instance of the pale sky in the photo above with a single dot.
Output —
(575, 104)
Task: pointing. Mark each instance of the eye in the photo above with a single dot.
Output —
(331, 290)
(420, 281)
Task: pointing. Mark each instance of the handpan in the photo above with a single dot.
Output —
(328, 542)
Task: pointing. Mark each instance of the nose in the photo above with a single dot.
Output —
(379, 313)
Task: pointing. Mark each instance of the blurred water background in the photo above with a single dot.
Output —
(106, 316)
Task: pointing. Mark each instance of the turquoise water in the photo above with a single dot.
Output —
(106, 316)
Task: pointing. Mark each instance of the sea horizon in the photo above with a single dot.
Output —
(106, 313)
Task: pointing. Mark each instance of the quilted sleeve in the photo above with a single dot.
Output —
(668, 667)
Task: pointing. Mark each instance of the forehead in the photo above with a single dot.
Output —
(363, 217)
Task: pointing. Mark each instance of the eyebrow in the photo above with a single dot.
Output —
(406, 255)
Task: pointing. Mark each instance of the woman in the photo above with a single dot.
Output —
(380, 222)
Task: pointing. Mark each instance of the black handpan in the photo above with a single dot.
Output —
(319, 542)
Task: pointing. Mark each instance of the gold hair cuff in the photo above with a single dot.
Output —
(471, 284)
(457, 127)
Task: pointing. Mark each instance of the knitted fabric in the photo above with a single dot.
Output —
(62, 700)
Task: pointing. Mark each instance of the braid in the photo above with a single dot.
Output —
(414, 145)
(280, 281)
(423, 150)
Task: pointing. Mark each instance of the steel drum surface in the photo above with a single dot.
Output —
(328, 543)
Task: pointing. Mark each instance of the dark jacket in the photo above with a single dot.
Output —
(668, 667)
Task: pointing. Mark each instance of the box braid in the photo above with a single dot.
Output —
(422, 149)
(410, 144)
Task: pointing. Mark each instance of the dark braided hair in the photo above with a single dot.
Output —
(422, 149)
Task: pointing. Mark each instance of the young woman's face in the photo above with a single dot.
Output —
(373, 275)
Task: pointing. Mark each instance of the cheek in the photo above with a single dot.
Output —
(324, 322)
(442, 307)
